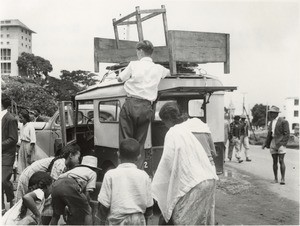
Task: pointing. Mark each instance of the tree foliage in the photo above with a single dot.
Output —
(34, 67)
(28, 91)
(259, 115)
(28, 94)
(62, 90)
(69, 84)
(82, 79)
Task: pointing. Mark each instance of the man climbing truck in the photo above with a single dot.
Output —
(198, 95)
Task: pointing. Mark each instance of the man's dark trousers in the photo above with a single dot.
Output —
(135, 117)
(7, 186)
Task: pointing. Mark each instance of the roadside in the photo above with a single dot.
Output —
(243, 198)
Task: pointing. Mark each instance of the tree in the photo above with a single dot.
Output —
(28, 94)
(34, 67)
(82, 79)
(259, 115)
(62, 90)
(69, 84)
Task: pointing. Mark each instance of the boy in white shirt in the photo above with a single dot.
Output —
(125, 196)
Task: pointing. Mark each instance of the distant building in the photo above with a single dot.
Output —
(16, 38)
(292, 113)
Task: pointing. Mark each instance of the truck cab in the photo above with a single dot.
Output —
(197, 96)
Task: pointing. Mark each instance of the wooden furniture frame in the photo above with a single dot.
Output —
(182, 47)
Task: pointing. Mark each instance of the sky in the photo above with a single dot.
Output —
(264, 38)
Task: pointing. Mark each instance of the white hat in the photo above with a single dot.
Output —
(274, 109)
(90, 161)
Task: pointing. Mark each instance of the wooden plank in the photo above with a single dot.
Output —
(139, 24)
(227, 62)
(116, 34)
(199, 55)
(195, 39)
(165, 23)
(127, 23)
(149, 16)
(172, 61)
(124, 18)
(106, 43)
(144, 11)
(160, 54)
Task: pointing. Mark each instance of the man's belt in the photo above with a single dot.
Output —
(139, 98)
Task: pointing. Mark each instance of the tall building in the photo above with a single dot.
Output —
(292, 109)
(16, 38)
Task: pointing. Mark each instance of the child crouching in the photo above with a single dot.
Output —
(27, 211)
(125, 196)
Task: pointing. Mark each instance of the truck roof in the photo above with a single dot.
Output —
(189, 84)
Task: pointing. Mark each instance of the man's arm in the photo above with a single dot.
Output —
(125, 74)
(269, 137)
(29, 202)
(12, 135)
(285, 132)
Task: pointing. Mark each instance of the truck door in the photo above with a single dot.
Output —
(67, 122)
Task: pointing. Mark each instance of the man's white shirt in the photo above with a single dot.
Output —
(142, 78)
(274, 124)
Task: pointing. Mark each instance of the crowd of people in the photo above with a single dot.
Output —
(237, 133)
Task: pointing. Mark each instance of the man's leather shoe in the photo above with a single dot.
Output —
(248, 160)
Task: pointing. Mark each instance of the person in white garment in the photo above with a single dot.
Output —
(185, 180)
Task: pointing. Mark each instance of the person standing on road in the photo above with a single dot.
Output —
(28, 140)
(244, 139)
(9, 142)
(226, 134)
(277, 139)
(234, 139)
(185, 180)
(141, 85)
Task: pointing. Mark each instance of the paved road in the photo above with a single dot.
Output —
(262, 166)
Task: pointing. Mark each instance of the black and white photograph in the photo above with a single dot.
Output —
(141, 112)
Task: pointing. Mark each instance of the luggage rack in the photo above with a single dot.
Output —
(182, 47)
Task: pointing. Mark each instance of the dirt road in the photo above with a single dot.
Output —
(245, 194)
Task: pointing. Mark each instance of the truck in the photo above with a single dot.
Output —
(197, 94)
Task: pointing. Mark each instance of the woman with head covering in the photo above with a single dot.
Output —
(185, 180)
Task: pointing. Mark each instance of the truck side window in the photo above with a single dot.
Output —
(79, 121)
(196, 108)
(109, 111)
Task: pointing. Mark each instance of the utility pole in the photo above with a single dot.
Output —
(244, 102)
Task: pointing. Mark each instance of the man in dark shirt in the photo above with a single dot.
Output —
(9, 141)
(234, 139)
